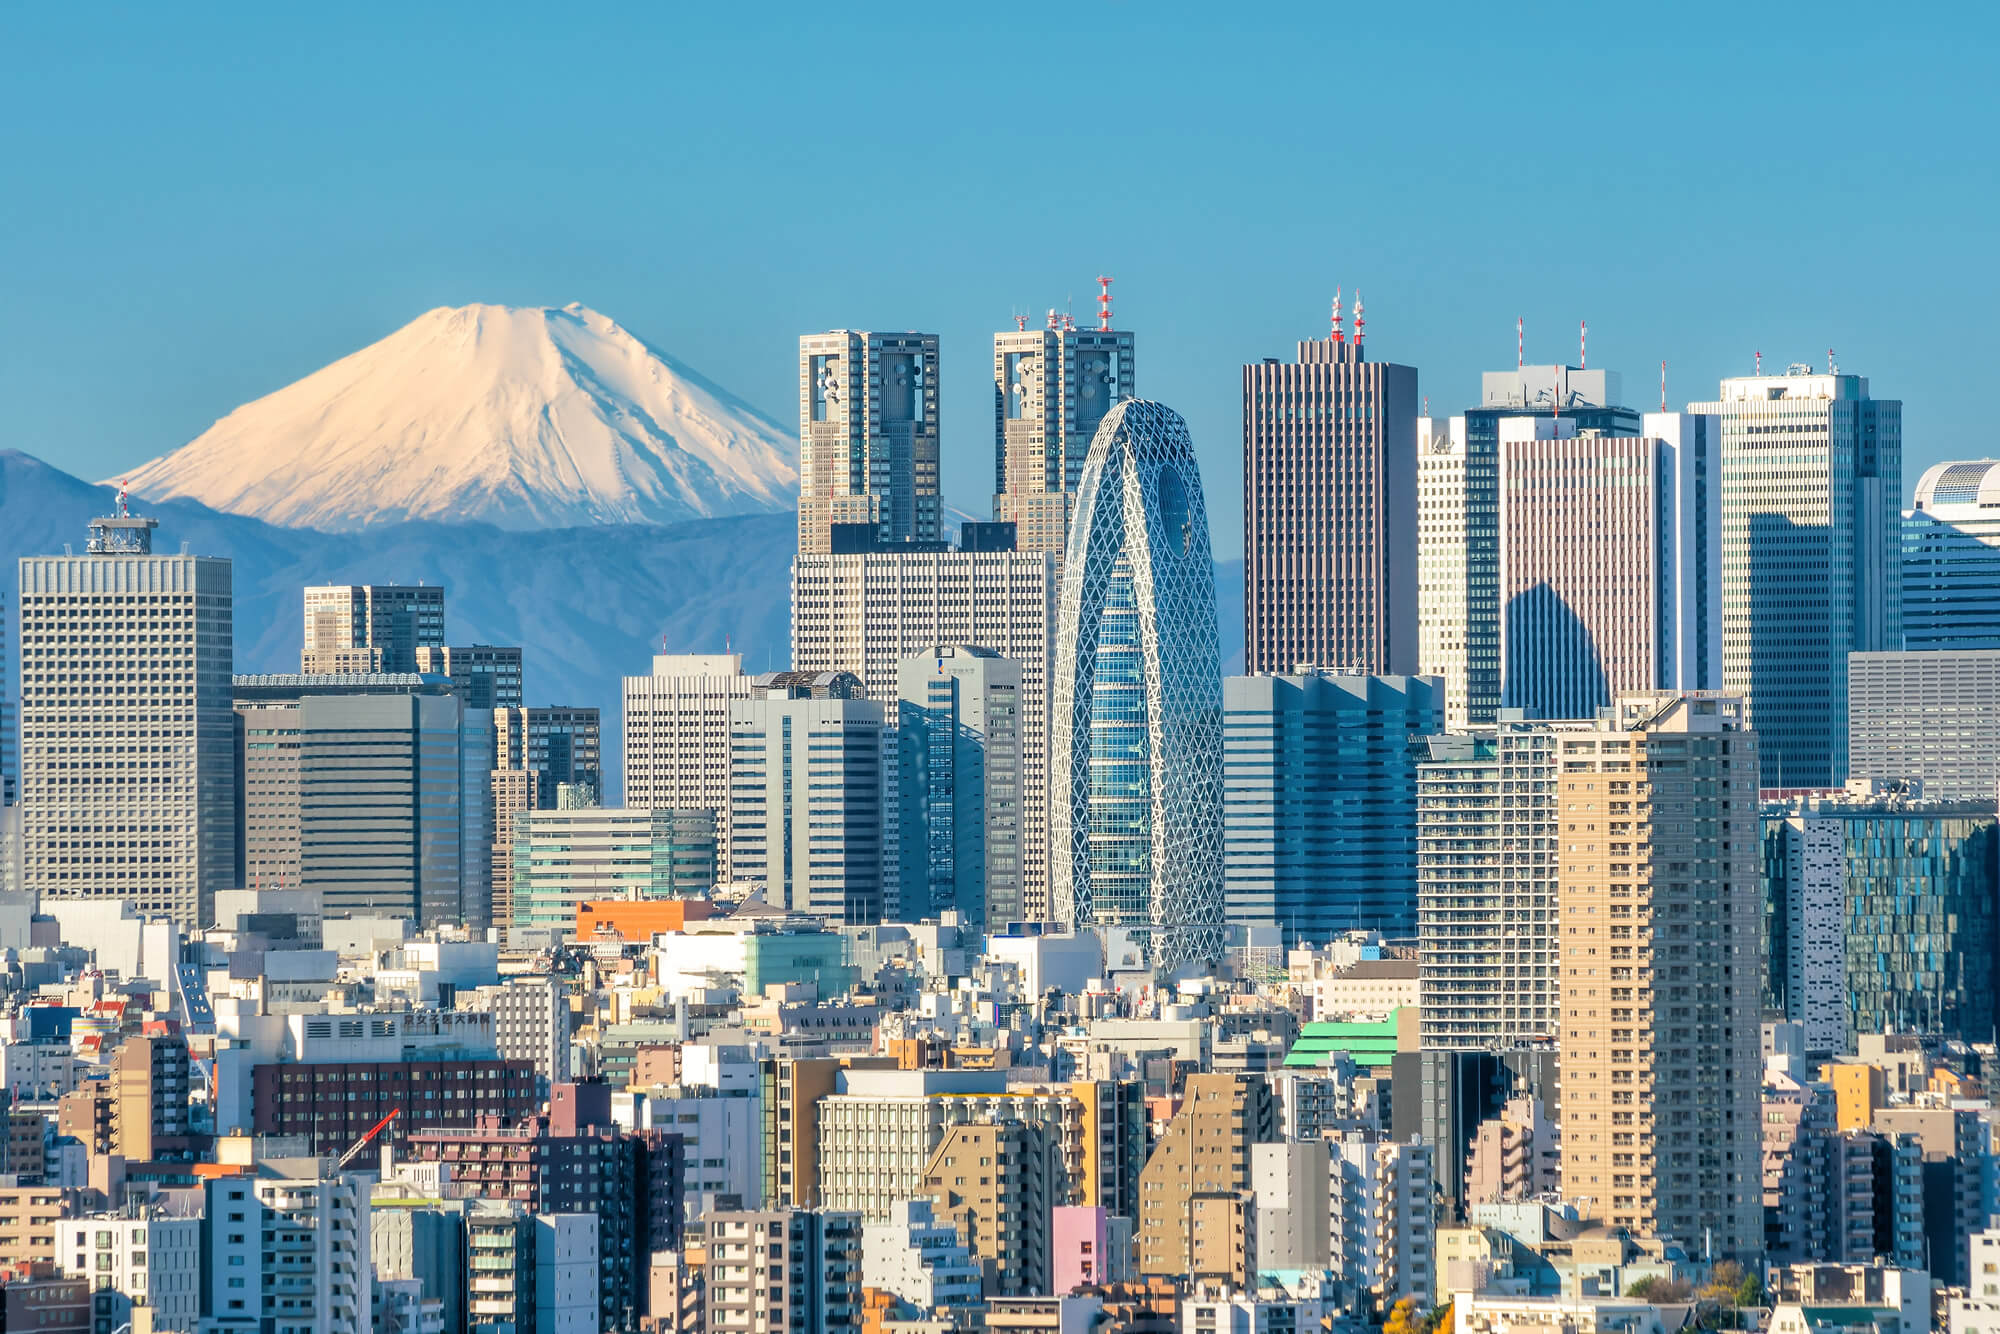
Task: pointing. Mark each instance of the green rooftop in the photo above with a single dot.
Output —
(1371, 1042)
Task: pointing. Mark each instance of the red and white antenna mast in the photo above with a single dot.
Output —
(1338, 336)
(1360, 324)
(1663, 386)
(1520, 342)
(1583, 345)
(124, 489)
(1103, 302)
(1020, 323)
(1831, 369)
(1760, 363)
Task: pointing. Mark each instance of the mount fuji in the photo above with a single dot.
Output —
(521, 418)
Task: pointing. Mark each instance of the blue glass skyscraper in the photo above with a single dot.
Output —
(1136, 737)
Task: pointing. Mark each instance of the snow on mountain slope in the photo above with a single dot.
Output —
(520, 417)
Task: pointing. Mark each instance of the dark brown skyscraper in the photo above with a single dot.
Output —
(1330, 510)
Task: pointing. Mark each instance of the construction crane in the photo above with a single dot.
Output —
(362, 1143)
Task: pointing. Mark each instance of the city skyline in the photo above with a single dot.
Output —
(214, 251)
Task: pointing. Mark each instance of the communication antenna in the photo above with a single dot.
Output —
(1831, 369)
(1760, 363)
(1583, 345)
(1020, 323)
(1103, 302)
(1520, 342)
(1358, 321)
(1338, 336)
(1663, 386)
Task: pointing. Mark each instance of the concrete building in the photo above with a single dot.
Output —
(1661, 907)
(1290, 1181)
(374, 792)
(919, 1258)
(1515, 1156)
(1205, 1156)
(1330, 510)
(556, 745)
(1812, 475)
(1882, 916)
(958, 737)
(487, 675)
(10, 791)
(780, 1270)
(1051, 388)
(1090, 1247)
(531, 1022)
(868, 436)
(369, 627)
(1319, 799)
(869, 612)
(150, 1263)
(995, 1182)
(1488, 948)
(1458, 506)
(28, 1218)
(1951, 559)
(1135, 792)
(570, 857)
(287, 1251)
(676, 738)
(1381, 1224)
(127, 743)
(813, 796)
(1577, 503)
(1929, 717)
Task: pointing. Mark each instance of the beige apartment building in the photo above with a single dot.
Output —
(1660, 905)
(1198, 1168)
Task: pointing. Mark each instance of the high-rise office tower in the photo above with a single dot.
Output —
(958, 738)
(489, 675)
(8, 789)
(556, 744)
(869, 612)
(868, 436)
(1135, 742)
(1330, 511)
(1319, 800)
(676, 738)
(1488, 956)
(127, 742)
(1610, 562)
(1881, 912)
(1931, 717)
(1051, 387)
(373, 791)
(1951, 559)
(1458, 548)
(1662, 907)
(370, 627)
(812, 800)
(1812, 474)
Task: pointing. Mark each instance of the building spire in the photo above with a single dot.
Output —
(1103, 301)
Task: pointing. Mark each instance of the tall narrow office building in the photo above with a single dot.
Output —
(128, 750)
(958, 735)
(1051, 387)
(1458, 548)
(1610, 562)
(370, 627)
(1812, 477)
(1135, 743)
(868, 436)
(676, 738)
(1330, 510)
(1662, 904)
(8, 771)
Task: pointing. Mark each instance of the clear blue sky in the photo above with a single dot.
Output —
(202, 203)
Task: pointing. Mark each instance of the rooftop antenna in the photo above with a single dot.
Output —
(1831, 369)
(1427, 405)
(1520, 342)
(1760, 363)
(1583, 345)
(124, 489)
(1338, 335)
(1020, 323)
(1663, 386)
(1103, 301)
(1359, 323)
(1054, 321)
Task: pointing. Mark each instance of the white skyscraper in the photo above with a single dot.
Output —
(1051, 388)
(868, 436)
(867, 612)
(1812, 478)
(1951, 559)
(1443, 566)
(127, 736)
(677, 738)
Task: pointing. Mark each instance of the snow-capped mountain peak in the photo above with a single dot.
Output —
(522, 417)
